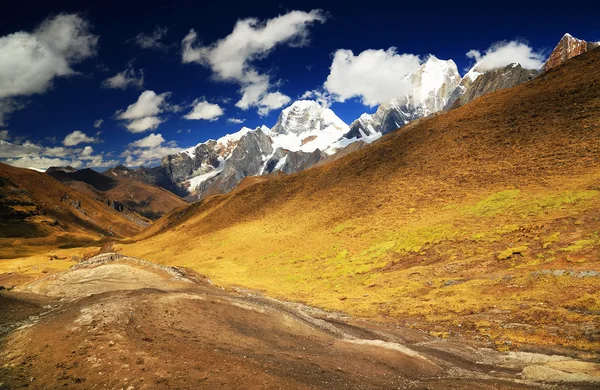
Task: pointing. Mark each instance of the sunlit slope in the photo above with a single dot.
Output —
(39, 210)
(468, 222)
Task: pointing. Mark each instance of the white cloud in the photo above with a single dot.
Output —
(9, 150)
(41, 163)
(122, 80)
(236, 121)
(143, 124)
(148, 104)
(231, 58)
(149, 152)
(57, 151)
(30, 155)
(204, 110)
(77, 137)
(4, 135)
(7, 107)
(504, 53)
(376, 76)
(152, 41)
(321, 96)
(272, 101)
(143, 114)
(31, 60)
(98, 123)
(151, 141)
(87, 153)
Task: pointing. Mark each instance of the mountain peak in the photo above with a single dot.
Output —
(568, 47)
(304, 116)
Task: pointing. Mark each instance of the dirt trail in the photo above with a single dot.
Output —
(122, 323)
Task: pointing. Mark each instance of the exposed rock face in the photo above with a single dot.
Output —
(304, 134)
(291, 162)
(567, 48)
(432, 85)
(488, 82)
(247, 159)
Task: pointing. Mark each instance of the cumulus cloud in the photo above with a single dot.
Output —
(4, 135)
(236, 121)
(8, 149)
(78, 137)
(149, 150)
(57, 151)
(143, 114)
(31, 60)
(7, 107)
(148, 104)
(143, 124)
(319, 95)
(376, 76)
(150, 141)
(87, 153)
(41, 163)
(98, 123)
(231, 58)
(35, 156)
(272, 101)
(153, 40)
(122, 80)
(204, 110)
(504, 53)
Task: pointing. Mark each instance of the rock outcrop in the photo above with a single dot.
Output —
(567, 48)
(488, 82)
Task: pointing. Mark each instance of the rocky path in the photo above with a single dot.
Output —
(121, 323)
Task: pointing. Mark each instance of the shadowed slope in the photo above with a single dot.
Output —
(148, 200)
(34, 205)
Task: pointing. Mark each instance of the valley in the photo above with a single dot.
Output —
(453, 246)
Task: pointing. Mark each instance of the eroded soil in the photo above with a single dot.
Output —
(80, 329)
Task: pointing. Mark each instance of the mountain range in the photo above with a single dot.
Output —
(307, 133)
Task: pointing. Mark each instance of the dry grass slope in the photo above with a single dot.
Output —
(483, 221)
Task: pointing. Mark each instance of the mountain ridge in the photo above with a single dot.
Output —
(436, 86)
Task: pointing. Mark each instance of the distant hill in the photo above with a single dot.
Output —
(34, 205)
(122, 193)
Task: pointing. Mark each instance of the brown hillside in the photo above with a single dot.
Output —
(467, 222)
(149, 201)
(39, 210)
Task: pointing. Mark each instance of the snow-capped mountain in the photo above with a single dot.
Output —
(307, 133)
(307, 126)
(432, 85)
(304, 134)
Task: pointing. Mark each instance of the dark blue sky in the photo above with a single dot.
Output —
(448, 30)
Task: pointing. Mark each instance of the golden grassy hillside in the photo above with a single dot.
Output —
(39, 212)
(483, 221)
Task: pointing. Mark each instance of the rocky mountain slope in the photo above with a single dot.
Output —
(481, 222)
(567, 48)
(125, 195)
(481, 84)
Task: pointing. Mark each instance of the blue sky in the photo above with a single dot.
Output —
(107, 38)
